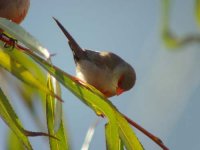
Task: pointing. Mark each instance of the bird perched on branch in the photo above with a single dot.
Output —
(106, 71)
(14, 10)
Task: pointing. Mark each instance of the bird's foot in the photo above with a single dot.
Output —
(9, 41)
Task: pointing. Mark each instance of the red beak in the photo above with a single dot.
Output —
(119, 91)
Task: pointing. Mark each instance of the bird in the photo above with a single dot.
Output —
(104, 70)
(14, 10)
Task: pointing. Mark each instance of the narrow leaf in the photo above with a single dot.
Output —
(112, 136)
(22, 73)
(13, 142)
(168, 37)
(126, 134)
(51, 109)
(10, 118)
(197, 11)
(20, 34)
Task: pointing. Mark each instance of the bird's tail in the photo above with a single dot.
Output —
(78, 52)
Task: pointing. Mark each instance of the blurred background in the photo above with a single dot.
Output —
(165, 99)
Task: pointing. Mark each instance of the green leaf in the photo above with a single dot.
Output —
(27, 92)
(197, 11)
(27, 62)
(13, 142)
(24, 74)
(165, 14)
(10, 118)
(112, 136)
(170, 40)
(168, 37)
(23, 36)
(126, 135)
(51, 110)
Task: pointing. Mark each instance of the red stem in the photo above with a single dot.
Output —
(147, 133)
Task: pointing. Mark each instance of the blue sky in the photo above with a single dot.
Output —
(165, 99)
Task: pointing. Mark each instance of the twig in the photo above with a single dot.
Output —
(147, 133)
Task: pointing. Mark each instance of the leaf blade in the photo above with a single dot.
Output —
(10, 118)
(197, 12)
(59, 132)
(19, 33)
(112, 136)
(126, 135)
(22, 73)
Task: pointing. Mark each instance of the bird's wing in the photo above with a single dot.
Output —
(104, 60)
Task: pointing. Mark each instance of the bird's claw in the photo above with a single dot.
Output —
(11, 42)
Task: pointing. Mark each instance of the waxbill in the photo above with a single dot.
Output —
(14, 10)
(106, 71)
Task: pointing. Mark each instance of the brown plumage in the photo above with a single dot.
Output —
(106, 71)
(14, 10)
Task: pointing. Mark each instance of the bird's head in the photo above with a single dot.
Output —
(126, 79)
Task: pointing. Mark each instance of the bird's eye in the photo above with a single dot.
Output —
(120, 89)
(120, 81)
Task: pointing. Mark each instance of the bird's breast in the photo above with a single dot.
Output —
(101, 78)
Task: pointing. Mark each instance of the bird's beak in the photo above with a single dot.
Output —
(119, 91)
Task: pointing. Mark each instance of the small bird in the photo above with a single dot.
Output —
(106, 71)
(14, 10)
